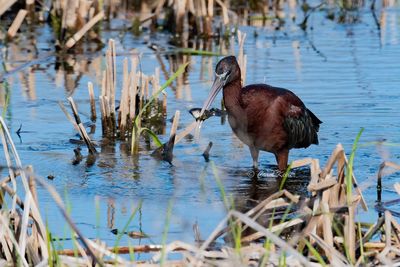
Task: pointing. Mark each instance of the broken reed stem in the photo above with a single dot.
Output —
(32, 208)
(175, 123)
(5, 5)
(12, 31)
(82, 130)
(77, 36)
(93, 115)
(32, 184)
(122, 250)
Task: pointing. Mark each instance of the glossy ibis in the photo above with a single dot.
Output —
(263, 117)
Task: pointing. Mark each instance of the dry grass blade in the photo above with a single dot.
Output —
(274, 238)
(60, 205)
(5, 229)
(181, 246)
(5, 5)
(28, 195)
(12, 31)
(274, 229)
(185, 132)
(337, 258)
(77, 36)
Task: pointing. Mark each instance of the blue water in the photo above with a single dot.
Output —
(347, 74)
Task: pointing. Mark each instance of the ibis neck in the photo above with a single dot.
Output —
(232, 95)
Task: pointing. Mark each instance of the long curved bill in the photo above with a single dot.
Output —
(216, 87)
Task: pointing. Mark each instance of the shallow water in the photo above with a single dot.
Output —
(347, 74)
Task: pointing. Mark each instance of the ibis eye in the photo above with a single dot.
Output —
(224, 75)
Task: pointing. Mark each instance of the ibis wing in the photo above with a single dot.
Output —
(301, 126)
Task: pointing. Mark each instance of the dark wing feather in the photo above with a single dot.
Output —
(301, 126)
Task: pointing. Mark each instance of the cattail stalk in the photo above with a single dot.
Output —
(12, 31)
(92, 102)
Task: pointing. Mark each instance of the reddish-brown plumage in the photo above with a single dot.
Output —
(264, 117)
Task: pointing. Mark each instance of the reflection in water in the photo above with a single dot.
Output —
(257, 186)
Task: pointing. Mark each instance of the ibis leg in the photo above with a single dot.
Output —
(254, 154)
(282, 159)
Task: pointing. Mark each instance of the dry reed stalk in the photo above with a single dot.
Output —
(30, 207)
(140, 87)
(146, 87)
(337, 258)
(63, 7)
(274, 229)
(355, 185)
(32, 184)
(121, 250)
(71, 14)
(175, 123)
(185, 132)
(93, 115)
(5, 5)
(332, 159)
(10, 170)
(164, 103)
(396, 229)
(82, 130)
(328, 183)
(103, 114)
(16, 246)
(275, 239)
(327, 227)
(388, 229)
(180, 12)
(107, 98)
(181, 246)
(225, 15)
(12, 31)
(103, 104)
(114, 75)
(155, 81)
(56, 197)
(349, 234)
(133, 89)
(242, 58)
(124, 103)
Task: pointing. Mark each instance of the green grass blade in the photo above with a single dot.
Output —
(220, 186)
(315, 253)
(180, 70)
(138, 117)
(349, 173)
(152, 135)
(165, 233)
(190, 51)
(285, 176)
(123, 231)
(131, 251)
(97, 204)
